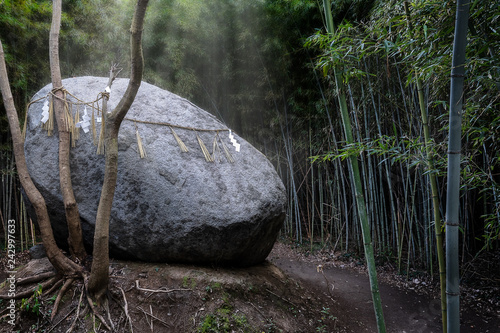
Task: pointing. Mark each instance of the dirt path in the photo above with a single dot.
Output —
(350, 298)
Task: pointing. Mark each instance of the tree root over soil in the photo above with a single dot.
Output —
(48, 282)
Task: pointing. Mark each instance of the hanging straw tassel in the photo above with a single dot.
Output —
(179, 141)
(142, 152)
(100, 144)
(70, 123)
(204, 149)
(50, 126)
(216, 149)
(229, 157)
(76, 130)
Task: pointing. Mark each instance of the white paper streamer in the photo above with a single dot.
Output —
(85, 123)
(234, 142)
(45, 111)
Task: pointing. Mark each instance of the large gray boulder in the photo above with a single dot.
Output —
(171, 206)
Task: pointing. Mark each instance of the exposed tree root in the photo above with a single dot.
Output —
(60, 295)
(157, 290)
(35, 278)
(97, 314)
(52, 281)
(106, 308)
(29, 292)
(90, 304)
(54, 287)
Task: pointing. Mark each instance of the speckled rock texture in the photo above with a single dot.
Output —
(171, 206)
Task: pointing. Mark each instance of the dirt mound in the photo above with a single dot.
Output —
(184, 298)
(291, 292)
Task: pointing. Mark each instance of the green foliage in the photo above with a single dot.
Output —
(224, 321)
(34, 303)
(379, 59)
(25, 27)
(325, 318)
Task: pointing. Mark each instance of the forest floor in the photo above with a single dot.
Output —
(293, 291)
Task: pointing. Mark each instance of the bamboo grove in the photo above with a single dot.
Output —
(260, 66)
(382, 61)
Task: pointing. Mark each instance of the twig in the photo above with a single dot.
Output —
(256, 308)
(152, 316)
(269, 291)
(106, 307)
(319, 269)
(125, 309)
(146, 317)
(151, 323)
(63, 318)
(157, 290)
(77, 313)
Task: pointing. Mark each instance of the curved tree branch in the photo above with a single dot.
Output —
(55, 255)
(99, 278)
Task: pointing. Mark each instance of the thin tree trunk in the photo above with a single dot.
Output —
(386, 166)
(75, 239)
(99, 277)
(363, 218)
(454, 152)
(438, 225)
(55, 255)
(358, 188)
(434, 189)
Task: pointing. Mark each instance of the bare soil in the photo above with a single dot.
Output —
(293, 291)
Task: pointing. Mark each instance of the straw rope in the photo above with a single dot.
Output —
(98, 140)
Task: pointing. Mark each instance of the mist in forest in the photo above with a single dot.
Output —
(217, 54)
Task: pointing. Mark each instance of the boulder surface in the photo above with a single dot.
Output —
(171, 206)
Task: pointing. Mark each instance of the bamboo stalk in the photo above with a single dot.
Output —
(312, 196)
(355, 176)
(454, 150)
(434, 190)
(385, 163)
(321, 203)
